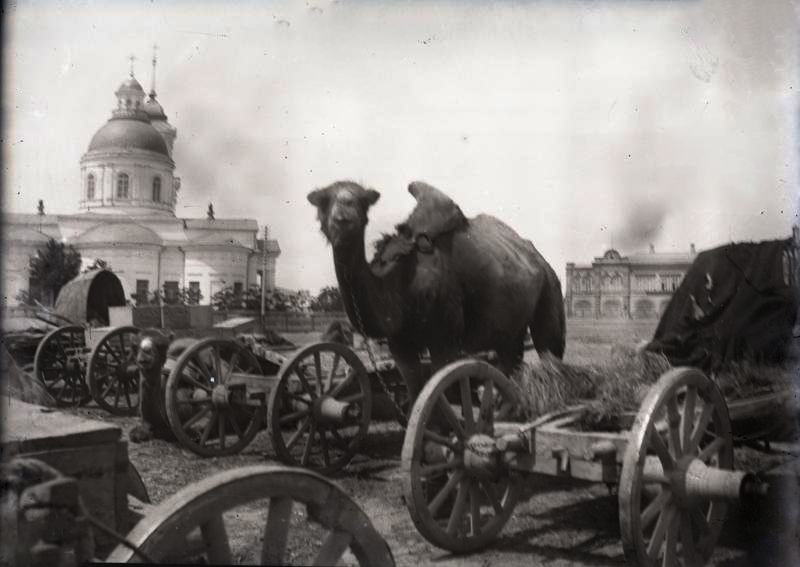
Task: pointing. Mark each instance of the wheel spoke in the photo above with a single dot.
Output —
(660, 449)
(127, 396)
(231, 365)
(491, 494)
(687, 419)
(186, 378)
(459, 508)
(486, 415)
(304, 383)
(674, 422)
(334, 367)
(434, 437)
(217, 363)
(699, 428)
(351, 376)
(655, 507)
(440, 497)
(687, 540)
(293, 416)
(296, 435)
(431, 470)
(353, 398)
(323, 442)
(466, 405)
(659, 532)
(474, 509)
(108, 387)
(236, 428)
(221, 429)
(209, 426)
(198, 362)
(450, 415)
(309, 444)
(711, 449)
(318, 372)
(671, 543)
(196, 417)
(333, 547)
(276, 531)
(216, 539)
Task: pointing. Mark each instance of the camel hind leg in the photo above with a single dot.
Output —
(548, 326)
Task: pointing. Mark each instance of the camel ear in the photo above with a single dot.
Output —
(318, 198)
(435, 213)
(371, 197)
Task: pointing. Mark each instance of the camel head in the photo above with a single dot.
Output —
(342, 210)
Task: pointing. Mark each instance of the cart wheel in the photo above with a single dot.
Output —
(113, 375)
(60, 364)
(681, 430)
(267, 515)
(211, 404)
(320, 407)
(457, 489)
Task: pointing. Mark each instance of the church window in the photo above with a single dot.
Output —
(156, 189)
(90, 186)
(122, 186)
(142, 292)
(170, 292)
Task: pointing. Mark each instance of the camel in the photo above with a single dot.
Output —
(443, 282)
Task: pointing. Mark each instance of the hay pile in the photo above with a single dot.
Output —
(619, 386)
(609, 390)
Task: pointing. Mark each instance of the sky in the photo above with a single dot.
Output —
(583, 125)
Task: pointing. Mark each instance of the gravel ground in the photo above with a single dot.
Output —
(557, 522)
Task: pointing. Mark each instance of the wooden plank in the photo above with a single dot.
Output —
(760, 406)
(30, 428)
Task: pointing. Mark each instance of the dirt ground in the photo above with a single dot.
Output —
(556, 523)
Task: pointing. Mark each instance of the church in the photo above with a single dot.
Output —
(126, 217)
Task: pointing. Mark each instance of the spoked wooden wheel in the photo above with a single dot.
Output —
(60, 364)
(672, 487)
(267, 515)
(113, 375)
(320, 407)
(215, 397)
(458, 491)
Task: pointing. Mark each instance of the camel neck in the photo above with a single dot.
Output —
(364, 294)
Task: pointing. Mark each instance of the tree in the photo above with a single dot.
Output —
(329, 299)
(51, 267)
(210, 211)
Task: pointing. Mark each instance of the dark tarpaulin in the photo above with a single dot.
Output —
(737, 302)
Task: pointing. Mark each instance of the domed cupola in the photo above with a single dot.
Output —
(128, 168)
(157, 116)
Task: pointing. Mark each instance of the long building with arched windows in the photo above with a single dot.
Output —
(126, 217)
(613, 286)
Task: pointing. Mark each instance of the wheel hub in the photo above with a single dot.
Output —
(220, 396)
(481, 457)
(329, 410)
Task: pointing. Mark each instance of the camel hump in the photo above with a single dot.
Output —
(435, 213)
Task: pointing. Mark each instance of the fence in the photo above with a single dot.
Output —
(286, 321)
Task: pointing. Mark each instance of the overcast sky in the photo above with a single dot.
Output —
(583, 125)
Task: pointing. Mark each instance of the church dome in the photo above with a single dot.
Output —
(153, 109)
(128, 133)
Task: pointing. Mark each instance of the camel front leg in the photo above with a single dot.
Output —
(410, 367)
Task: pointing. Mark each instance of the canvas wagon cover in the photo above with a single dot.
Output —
(736, 302)
(87, 297)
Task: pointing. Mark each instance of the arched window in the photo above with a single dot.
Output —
(90, 187)
(122, 186)
(156, 189)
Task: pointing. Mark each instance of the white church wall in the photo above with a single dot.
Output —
(215, 269)
(128, 263)
(171, 266)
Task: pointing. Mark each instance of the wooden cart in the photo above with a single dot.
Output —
(466, 454)
(84, 358)
(317, 404)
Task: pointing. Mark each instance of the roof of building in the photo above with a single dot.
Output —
(122, 233)
(662, 258)
(215, 238)
(128, 133)
(154, 108)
